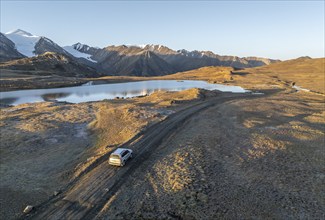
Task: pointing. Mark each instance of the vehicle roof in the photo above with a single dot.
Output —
(119, 150)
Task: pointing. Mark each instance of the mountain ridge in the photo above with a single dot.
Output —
(138, 60)
(50, 63)
(8, 50)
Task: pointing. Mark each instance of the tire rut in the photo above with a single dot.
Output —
(86, 197)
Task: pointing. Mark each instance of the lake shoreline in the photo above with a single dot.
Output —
(93, 91)
(11, 81)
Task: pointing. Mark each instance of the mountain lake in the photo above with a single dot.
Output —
(90, 92)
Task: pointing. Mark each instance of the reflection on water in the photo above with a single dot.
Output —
(54, 96)
(91, 92)
(8, 100)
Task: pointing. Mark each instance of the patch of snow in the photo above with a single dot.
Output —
(19, 32)
(24, 42)
(300, 89)
(151, 47)
(79, 46)
(78, 54)
(142, 46)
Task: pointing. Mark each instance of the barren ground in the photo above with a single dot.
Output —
(234, 161)
(244, 158)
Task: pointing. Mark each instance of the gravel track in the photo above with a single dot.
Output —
(86, 196)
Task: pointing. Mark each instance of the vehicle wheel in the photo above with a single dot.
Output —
(122, 164)
(131, 156)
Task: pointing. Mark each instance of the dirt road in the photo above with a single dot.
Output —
(90, 192)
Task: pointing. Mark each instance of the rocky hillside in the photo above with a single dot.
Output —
(44, 56)
(187, 60)
(110, 59)
(31, 45)
(50, 63)
(8, 50)
(46, 45)
(134, 60)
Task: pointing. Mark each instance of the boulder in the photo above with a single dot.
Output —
(28, 209)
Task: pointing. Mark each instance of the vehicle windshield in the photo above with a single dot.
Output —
(114, 156)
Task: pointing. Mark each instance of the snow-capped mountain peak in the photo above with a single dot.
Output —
(157, 48)
(196, 53)
(79, 46)
(21, 32)
(31, 45)
(24, 42)
(79, 50)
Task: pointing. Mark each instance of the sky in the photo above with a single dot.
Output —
(274, 29)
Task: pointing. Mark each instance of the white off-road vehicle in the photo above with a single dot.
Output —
(120, 156)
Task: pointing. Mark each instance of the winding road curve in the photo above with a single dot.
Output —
(85, 197)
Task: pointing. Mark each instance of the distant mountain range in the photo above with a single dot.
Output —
(135, 60)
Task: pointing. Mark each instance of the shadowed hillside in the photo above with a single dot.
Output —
(47, 64)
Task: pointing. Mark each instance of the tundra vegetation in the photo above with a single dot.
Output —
(260, 157)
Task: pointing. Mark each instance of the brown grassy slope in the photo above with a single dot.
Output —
(209, 73)
(306, 73)
(45, 145)
(130, 116)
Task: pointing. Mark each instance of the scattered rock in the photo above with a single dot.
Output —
(57, 192)
(28, 209)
